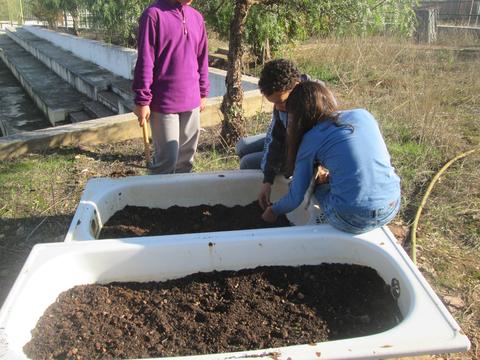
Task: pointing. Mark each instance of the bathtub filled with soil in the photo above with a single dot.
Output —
(293, 292)
(177, 204)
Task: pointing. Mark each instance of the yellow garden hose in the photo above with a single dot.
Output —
(424, 200)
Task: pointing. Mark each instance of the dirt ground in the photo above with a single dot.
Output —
(215, 312)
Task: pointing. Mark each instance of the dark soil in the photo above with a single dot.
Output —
(215, 312)
(142, 221)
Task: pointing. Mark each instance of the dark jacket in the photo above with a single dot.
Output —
(274, 150)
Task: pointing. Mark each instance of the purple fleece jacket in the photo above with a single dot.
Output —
(171, 73)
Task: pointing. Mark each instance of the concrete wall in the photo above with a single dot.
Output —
(114, 128)
(116, 59)
(110, 129)
(217, 82)
(121, 61)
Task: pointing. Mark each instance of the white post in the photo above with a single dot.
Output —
(426, 29)
(471, 10)
(22, 20)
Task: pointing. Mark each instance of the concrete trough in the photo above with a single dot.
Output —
(88, 78)
(116, 59)
(54, 97)
(427, 326)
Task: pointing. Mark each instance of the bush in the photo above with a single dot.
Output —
(272, 24)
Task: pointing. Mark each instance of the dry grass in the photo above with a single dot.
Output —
(427, 101)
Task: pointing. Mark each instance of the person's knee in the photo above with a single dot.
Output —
(250, 144)
(251, 161)
(244, 163)
(240, 148)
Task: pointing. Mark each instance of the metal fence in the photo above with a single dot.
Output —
(460, 12)
(84, 20)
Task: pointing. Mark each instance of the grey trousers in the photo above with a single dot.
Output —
(175, 140)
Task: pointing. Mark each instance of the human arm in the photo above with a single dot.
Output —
(264, 196)
(269, 216)
(302, 176)
(143, 73)
(273, 158)
(202, 58)
(203, 104)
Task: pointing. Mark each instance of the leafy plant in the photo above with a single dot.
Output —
(10, 10)
(51, 11)
(46, 10)
(73, 7)
(271, 24)
(118, 18)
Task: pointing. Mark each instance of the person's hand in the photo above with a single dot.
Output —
(143, 114)
(264, 196)
(269, 216)
(203, 104)
(323, 176)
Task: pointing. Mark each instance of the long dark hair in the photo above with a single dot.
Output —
(308, 104)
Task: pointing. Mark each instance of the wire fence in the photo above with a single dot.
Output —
(83, 21)
(459, 12)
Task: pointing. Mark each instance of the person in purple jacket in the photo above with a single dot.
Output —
(171, 81)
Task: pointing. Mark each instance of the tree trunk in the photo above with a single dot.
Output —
(233, 125)
(75, 26)
(75, 13)
(65, 20)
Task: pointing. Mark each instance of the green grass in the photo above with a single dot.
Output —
(476, 274)
(215, 160)
(37, 165)
(29, 185)
(320, 72)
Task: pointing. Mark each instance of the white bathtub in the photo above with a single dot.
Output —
(427, 326)
(103, 197)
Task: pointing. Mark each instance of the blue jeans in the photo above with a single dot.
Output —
(250, 151)
(353, 220)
